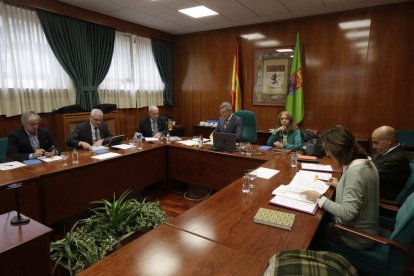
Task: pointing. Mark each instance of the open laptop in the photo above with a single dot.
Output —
(116, 140)
(224, 141)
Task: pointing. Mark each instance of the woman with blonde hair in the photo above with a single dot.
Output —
(286, 134)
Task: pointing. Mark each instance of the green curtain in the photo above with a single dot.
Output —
(83, 49)
(162, 52)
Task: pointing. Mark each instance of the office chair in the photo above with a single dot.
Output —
(249, 125)
(390, 255)
(406, 139)
(3, 149)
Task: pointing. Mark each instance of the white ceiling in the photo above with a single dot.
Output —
(163, 15)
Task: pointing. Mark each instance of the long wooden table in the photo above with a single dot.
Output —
(223, 223)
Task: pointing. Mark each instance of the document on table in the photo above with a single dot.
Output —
(265, 172)
(151, 139)
(317, 167)
(50, 159)
(11, 165)
(309, 181)
(294, 204)
(292, 192)
(123, 146)
(106, 155)
(188, 142)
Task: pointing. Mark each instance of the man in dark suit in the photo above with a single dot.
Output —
(91, 133)
(153, 125)
(30, 141)
(391, 162)
(228, 122)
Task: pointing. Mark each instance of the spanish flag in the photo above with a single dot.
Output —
(235, 82)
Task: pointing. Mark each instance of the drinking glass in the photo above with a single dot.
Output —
(251, 174)
(245, 184)
(65, 156)
(248, 149)
(243, 147)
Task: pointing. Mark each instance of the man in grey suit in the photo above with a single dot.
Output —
(228, 122)
(90, 133)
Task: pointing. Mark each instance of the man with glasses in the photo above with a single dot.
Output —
(153, 125)
(391, 162)
(30, 141)
(228, 122)
(91, 133)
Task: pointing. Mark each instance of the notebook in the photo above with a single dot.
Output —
(224, 141)
(274, 218)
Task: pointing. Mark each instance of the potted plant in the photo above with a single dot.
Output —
(92, 238)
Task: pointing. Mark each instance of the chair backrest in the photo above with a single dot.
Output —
(404, 223)
(249, 125)
(408, 187)
(406, 138)
(3, 149)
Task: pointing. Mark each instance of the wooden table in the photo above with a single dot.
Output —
(167, 250)
(24, 249)
(227, 216)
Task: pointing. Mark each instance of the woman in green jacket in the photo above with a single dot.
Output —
(286, 134)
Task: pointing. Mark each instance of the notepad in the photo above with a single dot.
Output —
(32, 161)
(274, 218)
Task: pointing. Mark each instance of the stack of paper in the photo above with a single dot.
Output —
(11, 165)
(317, 167)
(290, 195)
(265, 172)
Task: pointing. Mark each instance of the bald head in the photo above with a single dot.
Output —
(153, 112)
(384, 138)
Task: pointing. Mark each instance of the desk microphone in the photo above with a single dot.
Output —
(17, 219)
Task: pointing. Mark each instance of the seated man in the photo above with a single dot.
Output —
(391, 162)
(91, 133)
(153, 125)
(228, 122)
(30, 141)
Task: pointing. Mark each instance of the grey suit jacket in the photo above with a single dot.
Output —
(235, 126)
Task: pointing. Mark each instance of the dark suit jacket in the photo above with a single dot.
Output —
(19, 147)
(144, 126)
(393, 169)
(83, 133)
(235, 126)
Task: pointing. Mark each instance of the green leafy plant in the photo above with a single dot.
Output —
(92, 238)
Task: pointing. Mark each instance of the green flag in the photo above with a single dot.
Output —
(294, 98)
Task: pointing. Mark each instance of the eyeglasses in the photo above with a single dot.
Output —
(96, 119)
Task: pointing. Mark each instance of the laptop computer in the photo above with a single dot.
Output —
(116, 140)
(224, 141)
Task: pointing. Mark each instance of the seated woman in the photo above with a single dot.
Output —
(357, 192)
(286, 134)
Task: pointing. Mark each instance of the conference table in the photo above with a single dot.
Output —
(217, 236)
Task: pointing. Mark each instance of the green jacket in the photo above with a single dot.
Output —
(294, 140)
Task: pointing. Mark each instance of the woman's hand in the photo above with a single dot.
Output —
(281, 129)
(333, 181)
(311, 195)
(277, 144)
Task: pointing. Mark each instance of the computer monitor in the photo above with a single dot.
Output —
(224, 141)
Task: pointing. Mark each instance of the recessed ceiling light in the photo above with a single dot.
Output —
(197, 12)
(366, 23)
(253, 36)
(284, 50)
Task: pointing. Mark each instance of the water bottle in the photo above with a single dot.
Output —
(294, 159)
(168, 138)
(75, 156)
(200, 141)
(245, 184)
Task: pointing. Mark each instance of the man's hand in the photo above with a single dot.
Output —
(50, 153)
(38, 153)
(85, 145)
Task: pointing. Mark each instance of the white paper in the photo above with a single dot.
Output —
(98, 148)
(11, 165)
(151, 139)
(106, 155)
(123, 146)
(265, 172)
(309, 182)
(291, 192)
(188, 142)
(175, 138)
(50, 159)
(294, 204)
(321, 175)
(317, 167)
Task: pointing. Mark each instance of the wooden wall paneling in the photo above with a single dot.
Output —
(343, 84)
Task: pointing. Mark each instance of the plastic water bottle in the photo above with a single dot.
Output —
(168, 138)
(200, 141)
(294, 159)
(75, 156)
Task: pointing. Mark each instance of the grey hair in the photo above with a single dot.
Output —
(96, 111)
(152, 107)
(226, 105)
(29, 116)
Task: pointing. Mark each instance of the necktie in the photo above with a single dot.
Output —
(225, 123)
(98, 137)
(154, 127)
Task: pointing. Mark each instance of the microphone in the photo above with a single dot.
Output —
(17, 219)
